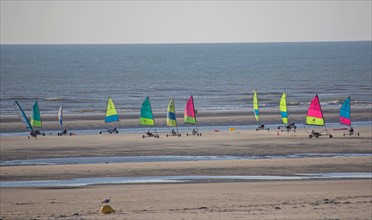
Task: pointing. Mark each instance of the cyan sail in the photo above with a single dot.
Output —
(23, 115)
(345, 115)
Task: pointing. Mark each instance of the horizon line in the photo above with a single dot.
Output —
(183, 43)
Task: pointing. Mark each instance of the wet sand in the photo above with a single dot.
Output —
(307, 199)
(95, 121)
(238, 142)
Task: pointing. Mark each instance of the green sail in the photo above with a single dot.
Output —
(147, 117)
(35, 117)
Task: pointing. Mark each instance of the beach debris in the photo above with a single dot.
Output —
(231, 129)
(215, 130)
(106, 209)
(107, 200)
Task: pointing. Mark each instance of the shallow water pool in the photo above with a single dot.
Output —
(175, 179)
(144, 159)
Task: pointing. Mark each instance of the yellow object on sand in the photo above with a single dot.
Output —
(106, 209)
(231, 129)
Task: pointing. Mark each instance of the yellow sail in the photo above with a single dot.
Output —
(111, 113)
(255, 105)
(283, 108)
(171, 114)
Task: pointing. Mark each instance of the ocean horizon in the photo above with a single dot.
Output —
(220, 76)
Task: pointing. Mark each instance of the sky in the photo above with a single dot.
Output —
(180, 21)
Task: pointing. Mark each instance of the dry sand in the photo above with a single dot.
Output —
(335, 199)
(307, 199)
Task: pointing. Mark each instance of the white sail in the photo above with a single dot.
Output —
(60, 116)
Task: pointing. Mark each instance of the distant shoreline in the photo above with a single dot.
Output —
(183, 43)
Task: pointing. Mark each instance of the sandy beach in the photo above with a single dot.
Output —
(206, 199)
(82, 84)
(336, 199)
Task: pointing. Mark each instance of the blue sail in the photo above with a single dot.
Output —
(24, 117)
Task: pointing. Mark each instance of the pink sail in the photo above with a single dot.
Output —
(314, 108)
(314, 114)
(189, 112)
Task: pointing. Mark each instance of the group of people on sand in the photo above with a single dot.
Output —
(35, 133)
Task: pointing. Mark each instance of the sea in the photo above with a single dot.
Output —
(221, 77)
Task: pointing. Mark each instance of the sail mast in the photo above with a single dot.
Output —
(153, 118)
(193, 107)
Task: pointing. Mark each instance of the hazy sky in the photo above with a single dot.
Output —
(90, 22)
